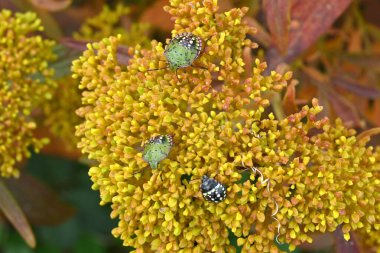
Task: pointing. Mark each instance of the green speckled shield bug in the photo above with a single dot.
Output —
(157, 149)
(182, 51)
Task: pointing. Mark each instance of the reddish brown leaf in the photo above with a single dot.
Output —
(51, 27)
(7, 4)
(57, 146)
(289, 100)
(310, 20)
(356, 41)
(315, 74)
(123, 56)
(15, 215)
(344, 109)
(80, 45)
(353, 86)
(368, 133)
(225, 5)
(157, 16)
(262, 36)
(343, 246)
(365, 61)
(40, 204)
(51, 5)
(248, 60)
(320, 241)
(277, 14)
(324, 102)
(372, 112)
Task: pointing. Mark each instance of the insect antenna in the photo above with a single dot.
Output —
(157, 69)
(176, 74)
(199, 67)
(205, 45)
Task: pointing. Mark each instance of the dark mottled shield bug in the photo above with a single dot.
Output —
(182, 51)
(157, 149)
(212, 190)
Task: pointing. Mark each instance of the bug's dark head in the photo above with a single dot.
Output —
(208, 183)
(213, 190)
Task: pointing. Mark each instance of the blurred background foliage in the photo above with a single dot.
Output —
(333, 48)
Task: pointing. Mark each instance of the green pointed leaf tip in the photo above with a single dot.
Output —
(157, 149)
(183, 50)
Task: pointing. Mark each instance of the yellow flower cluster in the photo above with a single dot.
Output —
(114, 21)
(321, 176)
(25, 84)
(60, 113)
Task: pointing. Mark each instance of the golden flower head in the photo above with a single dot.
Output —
(25, 84)
(320, 175)
(114, 21)
(60, 112)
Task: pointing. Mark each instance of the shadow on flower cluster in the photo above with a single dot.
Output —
(322, 176)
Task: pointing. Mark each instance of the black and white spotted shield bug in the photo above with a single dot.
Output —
(212, 190)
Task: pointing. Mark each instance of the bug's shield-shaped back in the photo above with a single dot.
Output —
(182, 50)
(213, 190)
(157, 149)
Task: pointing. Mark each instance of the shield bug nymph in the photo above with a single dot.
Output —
(182, 51)
(157, 149)
(213, 190)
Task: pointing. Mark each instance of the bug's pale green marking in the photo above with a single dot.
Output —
(157, 149)
(182, 50)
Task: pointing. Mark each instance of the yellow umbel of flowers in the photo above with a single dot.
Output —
(110, 21)
(321, 175)
(60, 113)
(25, 84)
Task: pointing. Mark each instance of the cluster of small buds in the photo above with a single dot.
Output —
(26, 84)
(110, 21)
(60, 112)
(315, 175)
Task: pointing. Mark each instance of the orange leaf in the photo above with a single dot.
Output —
(289, 100)
(355, 43)
(15, 215)
(344, 109)
(372, 112)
